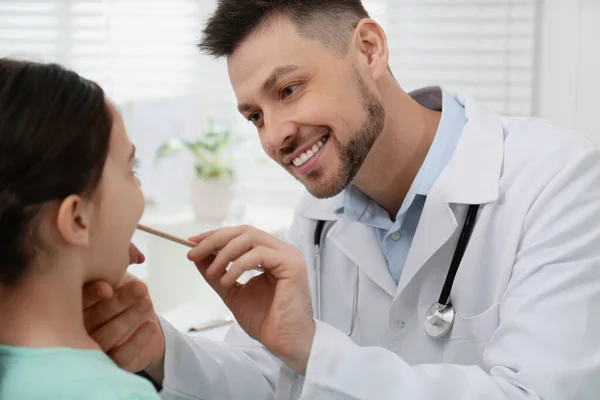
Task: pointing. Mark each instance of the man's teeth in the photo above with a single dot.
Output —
(307, 155)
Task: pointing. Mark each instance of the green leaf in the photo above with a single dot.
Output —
(208, 150)
(208, 145)
(169, 148)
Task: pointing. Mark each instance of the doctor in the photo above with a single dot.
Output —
(401, 181)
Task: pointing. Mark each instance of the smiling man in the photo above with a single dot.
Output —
(415, 199)
(310, 93)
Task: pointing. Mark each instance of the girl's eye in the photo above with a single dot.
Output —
(255, 118)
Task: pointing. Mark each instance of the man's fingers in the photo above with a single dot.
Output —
(118, 330)
(214, 243)
(141, 362)
(232, 251)
(198, 238)
(95, 292)
(129, 278)
(263, 256)
(135, 354)
(100, 313)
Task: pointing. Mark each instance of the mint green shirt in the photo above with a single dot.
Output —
(67, 374)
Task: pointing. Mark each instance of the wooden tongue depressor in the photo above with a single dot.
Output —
(166, 236)
(175, 239)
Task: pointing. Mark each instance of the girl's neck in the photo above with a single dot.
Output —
(44, 310)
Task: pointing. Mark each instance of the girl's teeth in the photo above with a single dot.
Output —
(320, 144)
(315, 148)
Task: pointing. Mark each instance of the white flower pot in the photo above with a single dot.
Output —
(212, 199)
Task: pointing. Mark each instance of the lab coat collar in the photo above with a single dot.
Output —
(320, 209)
(473, 173)
(352, 238)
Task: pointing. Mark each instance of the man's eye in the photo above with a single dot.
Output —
(289, 90)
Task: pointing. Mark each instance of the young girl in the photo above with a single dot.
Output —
(69, 204)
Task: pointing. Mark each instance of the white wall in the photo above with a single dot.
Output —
(568, 81)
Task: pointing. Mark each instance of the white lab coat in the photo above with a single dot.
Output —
(527, 293)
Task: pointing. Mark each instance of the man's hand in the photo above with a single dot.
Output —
(123, 322)
(274, 307)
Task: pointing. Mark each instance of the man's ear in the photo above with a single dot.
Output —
(73, 221)
(372, 48)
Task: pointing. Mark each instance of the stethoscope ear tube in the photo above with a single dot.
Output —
(317, 242)
(319, 232)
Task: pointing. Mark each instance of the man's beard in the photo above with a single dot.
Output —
(354, 153)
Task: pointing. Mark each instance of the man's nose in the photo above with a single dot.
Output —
(277, 134)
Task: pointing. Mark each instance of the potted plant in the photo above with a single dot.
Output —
(213, 187)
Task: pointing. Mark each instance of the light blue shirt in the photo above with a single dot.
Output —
(395, 237)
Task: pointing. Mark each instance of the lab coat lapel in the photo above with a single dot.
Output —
(436, 227)
(471, 177)
(356, 241)
(359, 243)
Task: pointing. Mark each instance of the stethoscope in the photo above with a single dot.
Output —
(440, 316)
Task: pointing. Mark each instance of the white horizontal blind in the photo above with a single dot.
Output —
(481, 48)
(32, 29)
(146, 48)
(136, 49)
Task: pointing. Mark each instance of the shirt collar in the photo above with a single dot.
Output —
(356, 206)
(444, 143)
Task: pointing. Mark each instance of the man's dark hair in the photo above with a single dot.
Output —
(330, 21)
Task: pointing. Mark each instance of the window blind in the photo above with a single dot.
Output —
(481, 48)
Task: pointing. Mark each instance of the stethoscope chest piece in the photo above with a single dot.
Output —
(439, 320)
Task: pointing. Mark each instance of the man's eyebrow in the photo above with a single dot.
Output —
(270, 82)
(276, 75)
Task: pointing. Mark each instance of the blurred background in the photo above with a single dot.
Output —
(201, 162)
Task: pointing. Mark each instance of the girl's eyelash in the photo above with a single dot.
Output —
(136, 165)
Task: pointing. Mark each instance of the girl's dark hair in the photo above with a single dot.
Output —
(54, 136)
